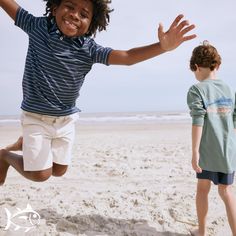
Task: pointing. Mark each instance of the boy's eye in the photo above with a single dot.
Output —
(70, 7)
(84, 15)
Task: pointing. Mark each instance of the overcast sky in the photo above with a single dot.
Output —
(159, 84)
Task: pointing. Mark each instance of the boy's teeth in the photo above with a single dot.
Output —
(71, 24)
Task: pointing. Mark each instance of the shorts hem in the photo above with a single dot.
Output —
(36, 169)
(217, 177)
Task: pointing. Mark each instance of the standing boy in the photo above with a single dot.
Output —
(213, 111)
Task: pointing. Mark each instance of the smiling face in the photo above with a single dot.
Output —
(73, 17)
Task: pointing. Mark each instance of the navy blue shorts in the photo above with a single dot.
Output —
(217, 177)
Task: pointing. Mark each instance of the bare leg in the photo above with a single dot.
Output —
(17, 146)
(203, 188)
(58, 170)
(16, 161)
(3, 168)
(195, 232)
(226, 193)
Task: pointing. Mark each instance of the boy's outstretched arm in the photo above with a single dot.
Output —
(10, 7)
(168, 41)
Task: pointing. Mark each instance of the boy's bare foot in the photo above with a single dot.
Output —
(195, 232)
(17, 146)
(3, 168)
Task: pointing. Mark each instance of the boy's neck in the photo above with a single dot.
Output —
(207, 74)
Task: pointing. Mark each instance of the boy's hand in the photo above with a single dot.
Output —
(172, 38)
(195, 165)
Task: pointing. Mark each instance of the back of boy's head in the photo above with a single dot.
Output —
(100, 18)
(205, 56)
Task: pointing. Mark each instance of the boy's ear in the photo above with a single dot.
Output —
(197, 67)
(54, 9)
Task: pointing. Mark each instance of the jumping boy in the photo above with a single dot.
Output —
(60, 54)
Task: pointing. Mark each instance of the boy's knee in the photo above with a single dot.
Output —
(41, 176)
(203, 189)
(224, 191)
(59, 170)
(3, 153)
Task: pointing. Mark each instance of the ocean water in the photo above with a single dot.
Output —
(117, 117)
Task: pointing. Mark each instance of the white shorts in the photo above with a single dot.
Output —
(47, 140)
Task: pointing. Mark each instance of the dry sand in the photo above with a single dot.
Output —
(125, 180)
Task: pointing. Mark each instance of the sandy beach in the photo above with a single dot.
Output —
(126, 179)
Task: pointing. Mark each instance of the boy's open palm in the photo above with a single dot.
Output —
(175, 35)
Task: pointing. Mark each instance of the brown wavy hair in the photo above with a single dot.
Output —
(205, 56)
(101, 14)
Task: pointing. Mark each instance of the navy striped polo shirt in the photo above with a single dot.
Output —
(55, 66)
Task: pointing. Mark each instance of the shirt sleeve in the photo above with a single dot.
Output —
(25, 21)
(99, 54)
(234, 113)
(196, 106)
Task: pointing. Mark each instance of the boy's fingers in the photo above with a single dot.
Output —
(186, 38)
(199, 169)
(187, 29)
(177, 20)
(182, 25)
(160, 30)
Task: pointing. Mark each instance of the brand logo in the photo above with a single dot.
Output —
(25, 219)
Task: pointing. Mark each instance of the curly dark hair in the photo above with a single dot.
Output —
(100, 19)
(205, 56)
